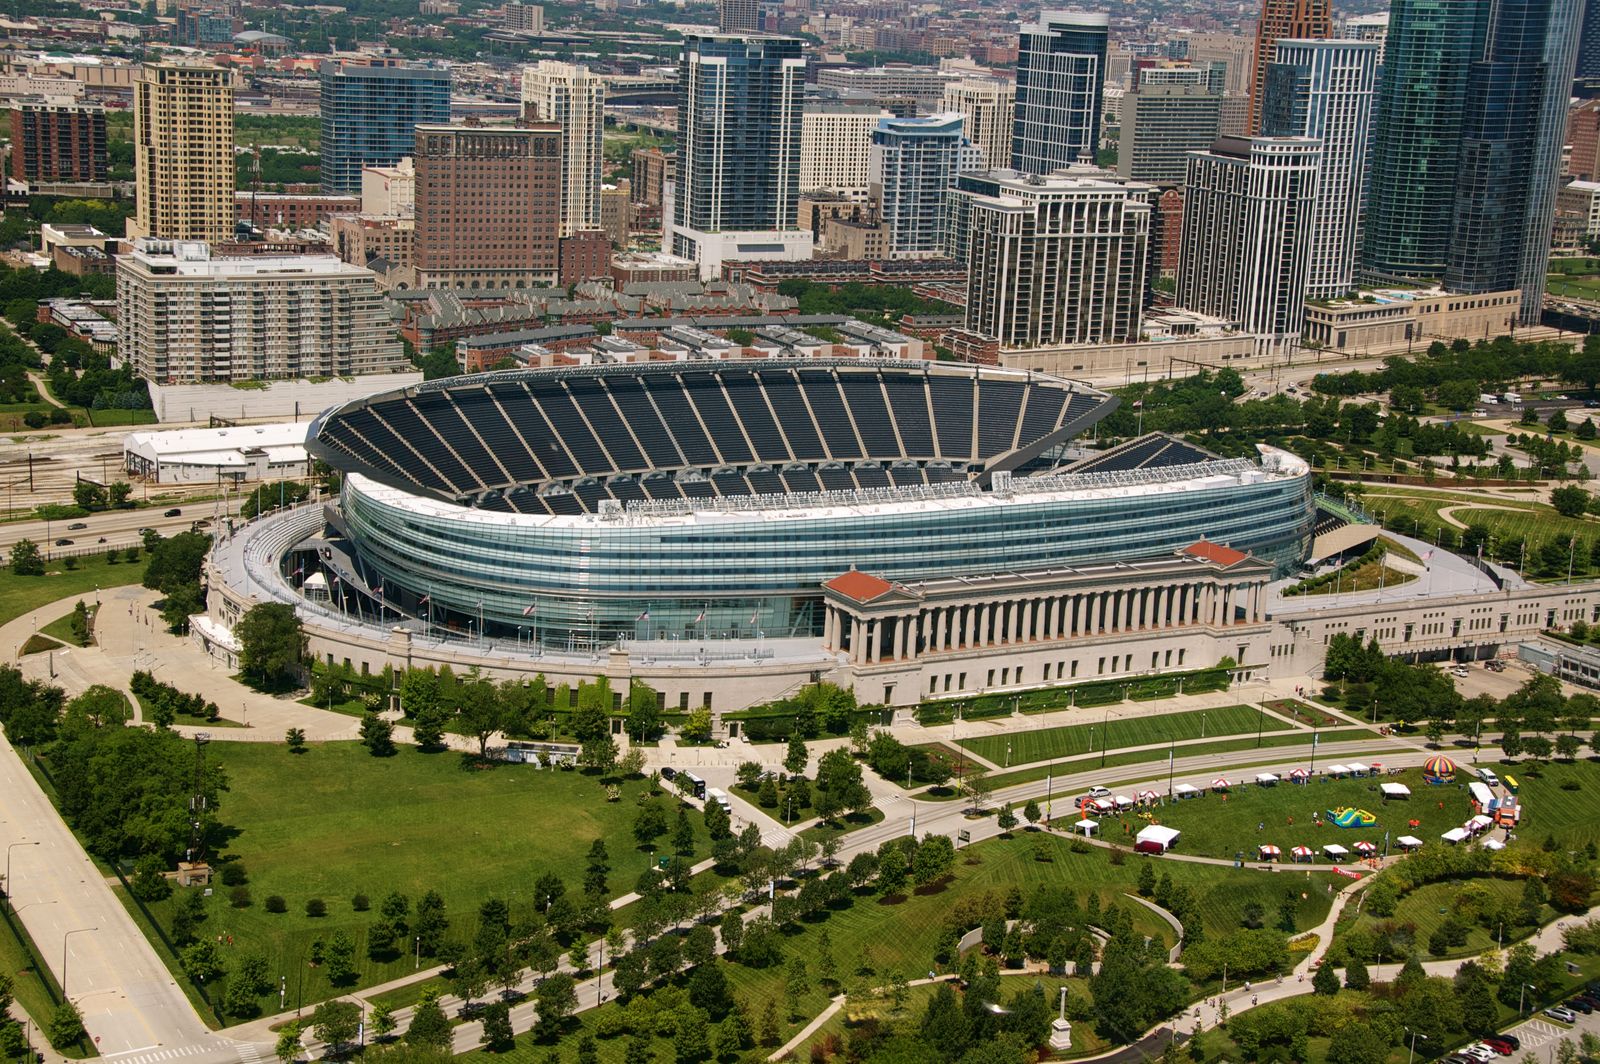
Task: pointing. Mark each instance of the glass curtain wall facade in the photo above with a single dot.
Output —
(729, 575)
(739, 119)
(1416, 148)
(370, 112)
(911, 165)
(1061, 71)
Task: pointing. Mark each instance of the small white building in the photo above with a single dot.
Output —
(208, 456)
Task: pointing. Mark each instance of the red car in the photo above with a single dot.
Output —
(1499, 1045)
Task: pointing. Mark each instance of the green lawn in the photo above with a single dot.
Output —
(1534, 522)
(1124, 758)
(60, 629)
(1428, 906)
(1213, 827)
(334, 822)
(1027, 747)
(872, 937)
(1571, 815)
(19, 594)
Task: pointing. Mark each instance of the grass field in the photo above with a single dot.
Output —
(1139, 757)
(1429, 905)
(20, 594)
(1574, 287)
(1534, 522)
(334, 822)
(873, 938)
(61, 628)
(1073, 739)
(1571, 815)
(1215, 828)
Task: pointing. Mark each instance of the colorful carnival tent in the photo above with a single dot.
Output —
(1299, 775)
(1438, 769)
(1220, 783)
(1365, 849)
(1301, 853)
(1157, 838)
(1268, 853)
(1147, 797)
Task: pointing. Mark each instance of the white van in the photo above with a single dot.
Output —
(720, 796)
(1488, 777)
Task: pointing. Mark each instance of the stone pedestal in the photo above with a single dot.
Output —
(1060, 1035)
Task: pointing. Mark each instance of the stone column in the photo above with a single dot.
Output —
(906, 645)
(1128, 597)
(857, 640)
(1161, 607)
(1050, 606)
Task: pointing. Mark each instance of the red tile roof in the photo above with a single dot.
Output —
(862, 587)
(1215, 552)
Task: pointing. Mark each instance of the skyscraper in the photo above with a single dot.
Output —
(1248, 212)
(1281, 19)
(736, 189)
(57, 139)
(989, 106)
(739, 16)
(370, 111)
(183, 152)
(1562, 26)
(912, 164)
(1161, 125)
(835, 135)
(1053, 260)
(574, 99)
(488, 206)
(1588, 65)
(1061, 71)
(1416, 142)
(1323, 90)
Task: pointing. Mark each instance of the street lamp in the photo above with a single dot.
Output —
(1521, 995)
(1412, 1055)
(1105, 733)
(69, 934)
(9, 902)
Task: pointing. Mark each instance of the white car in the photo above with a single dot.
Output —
(1481, 1051)
(1099, 792)
(1556, 1012)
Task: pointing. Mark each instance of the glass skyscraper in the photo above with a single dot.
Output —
(1061, 70)
(739, 106)
(370, 112)
(1416, 147)
(912, 164)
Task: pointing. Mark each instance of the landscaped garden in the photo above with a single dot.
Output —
(1022, 748)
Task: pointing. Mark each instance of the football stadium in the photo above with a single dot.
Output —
(729, 531)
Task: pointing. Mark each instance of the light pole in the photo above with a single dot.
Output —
(11, 904)
(1105, 734)
(69, 934)
(1522, 995)
(1412, 1055)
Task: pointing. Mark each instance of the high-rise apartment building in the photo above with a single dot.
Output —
(183, 152)
(1373, 27)
(914, 162)
(1416, 141)
(1282, 19)
(370, 111)
(737, 187)
(738, 16)
(652, 169)
(1512, 134)
(835, 134)
(1588, 65)
(1161, 125)
(488, 206)
(390, 191)
(1249, 207)
(1061, 72)
(57, 139)
(989, 106)
(1583, 137)
(573, 98)
(1324, 90)
(1053, 260)
(188, 317)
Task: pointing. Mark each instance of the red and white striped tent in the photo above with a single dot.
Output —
(1301, 853)
(1365, 849)
(1268, 853)
(1147, 797)
(1220, 783)
(1299, 775)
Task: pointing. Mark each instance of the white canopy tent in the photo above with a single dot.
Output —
(1395, 790)
(1334, 852)
(1493, 844)
(1157, 835)
(1454, 835)
(1266, 779)
(1409, 842)
(1337, 770)
(1184, 790)
(1086, 827)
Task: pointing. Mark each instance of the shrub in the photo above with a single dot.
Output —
(239, 897)
(360, 903)
(316, 907)
(233, 874)
(276, 904)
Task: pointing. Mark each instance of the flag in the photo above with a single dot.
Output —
(1138, 404)
(755, 616)
(1426, 555)
(298, 571)
(380, 590)
(701, 616)
(423, 601)
(645, 616)
(527, 611)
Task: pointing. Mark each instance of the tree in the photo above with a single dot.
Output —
(1032, 813)
(555, 1000)
(644, 711)
(381, 1022)
(288, 1046)
(718, 824)
(482, 714)
(599, 754)
(341, 959)
(89, 495)
(976, 786)
(697, 729)
(431, 923)
(1358, 1043)
(497, 1033)
(272, 645)
(429, 1025)
(336, 1022)
(1007, 819)
(296, 740)
(796, 757)
(377, 735)
(1326, 981)
(934, 859)
(1569, 501)
(649, 824)
(691, 1040)
(683, 835)
(66, 1026)
(26, 559)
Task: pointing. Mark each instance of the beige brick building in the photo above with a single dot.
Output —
(183, 152)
